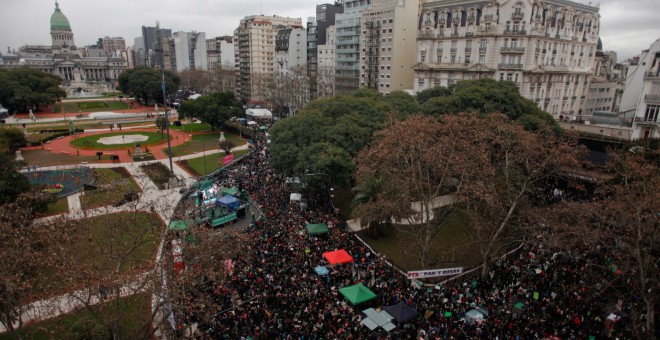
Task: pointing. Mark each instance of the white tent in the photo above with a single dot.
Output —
(252, 122)
(194, 96)
(295, 197)
(259, 113)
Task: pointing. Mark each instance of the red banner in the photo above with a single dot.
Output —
(228, 159)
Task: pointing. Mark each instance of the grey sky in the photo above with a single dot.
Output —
(627, 26)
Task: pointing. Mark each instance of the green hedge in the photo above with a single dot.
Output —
(55, 134)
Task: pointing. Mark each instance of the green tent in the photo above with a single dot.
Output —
(205, 185)
(317, 229)
(230, 191)
(178, 225)
(357, 294)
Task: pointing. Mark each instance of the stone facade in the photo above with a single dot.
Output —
(546, 47)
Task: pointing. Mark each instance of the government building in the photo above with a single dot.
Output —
(546, 47)
(81, 75)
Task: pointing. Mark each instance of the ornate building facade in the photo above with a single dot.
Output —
(80, 74)
(547, 47)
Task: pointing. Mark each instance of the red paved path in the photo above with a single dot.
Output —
(61, 145)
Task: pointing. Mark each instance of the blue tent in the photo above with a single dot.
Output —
(229, 201)
(321, 270)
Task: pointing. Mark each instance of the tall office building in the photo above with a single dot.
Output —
(387, 45)
(254, 48)
(348, 26)
(151, 37)
(546, 47)
(317, 31)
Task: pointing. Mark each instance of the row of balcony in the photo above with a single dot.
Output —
(652, 75)
(645, 121)
(652, 97)
(512, 49)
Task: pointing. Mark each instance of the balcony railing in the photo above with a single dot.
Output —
(452, 50)
(643, 120)
(471, 18)
(510, 66)
(482, 50)
(488, 17)
(422, 35)
(469, 34)
(518, 15)
(652, 97)
(468, 50)
(455, 20)
(512, 49)
(519, 32)
(652, 75)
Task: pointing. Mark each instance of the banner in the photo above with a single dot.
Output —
(422, 274)
(228, 159)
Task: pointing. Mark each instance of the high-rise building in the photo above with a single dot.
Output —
(641, 95)
(220, 52)
(325, 73)
(151, 37)
(348, 26)
(189, 51)
(317, 31)
(546, 47)
(138, 56)
(254, 48)
(387, 45)
(113, 45)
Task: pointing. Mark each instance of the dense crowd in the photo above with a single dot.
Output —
(536, 292)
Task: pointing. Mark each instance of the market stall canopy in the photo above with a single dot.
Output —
(377, 318)
(252, 122)
(357, 294)
(194, 96)
(177, 225)
(321, 270)
(338, 257)
(259, 113)
(262, 128)
(229, 201)
(317, 229)
(477, 315)
(401, 312)
(230, 191)
(295, 197)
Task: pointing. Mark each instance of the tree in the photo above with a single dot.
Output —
(25, 88)
(146, 84)
(212, 109)
(402, 103)
(485, 96)
(325, 81)
(431, 161)
(619, 226)
(99, 154)
(291, 89)
(11, 139)
(195, 80)
(33, 257)
(365, 205)
(498, 198)
(161, 124)
(12, 182)
(222, 78)
(438, 91)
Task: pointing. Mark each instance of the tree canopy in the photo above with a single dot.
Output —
(325, 135)
(484, 96)
(213, 109)
(486, 164)
(145, 84)
(24, 88)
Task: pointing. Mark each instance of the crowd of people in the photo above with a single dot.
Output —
(274, 292)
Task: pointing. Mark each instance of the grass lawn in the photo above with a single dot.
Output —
(200, 142)
(106, 236)
(113, 184)
(453, 246)
(92, 106)
(133, 311)
(195, 127)
(46, 158)
(60, 206)
(213, 162)
(91, 142)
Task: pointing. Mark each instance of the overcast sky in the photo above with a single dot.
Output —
(627, 26)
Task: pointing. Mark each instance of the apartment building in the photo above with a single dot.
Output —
(220, 52)
(387, 45)
(348, 28)
(546, 47)
(254, 50)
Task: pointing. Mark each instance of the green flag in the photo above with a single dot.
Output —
(536, 295)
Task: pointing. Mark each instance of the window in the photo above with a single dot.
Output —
(651, 114)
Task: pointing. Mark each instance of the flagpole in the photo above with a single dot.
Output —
(167, 113)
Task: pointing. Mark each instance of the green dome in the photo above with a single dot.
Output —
(58, 20)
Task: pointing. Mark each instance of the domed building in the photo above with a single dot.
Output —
(82, 74)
